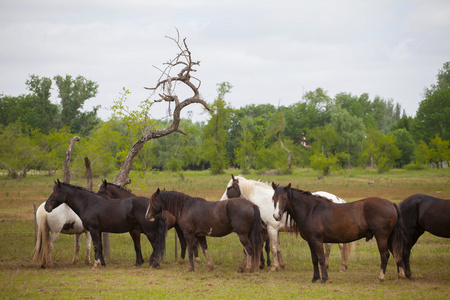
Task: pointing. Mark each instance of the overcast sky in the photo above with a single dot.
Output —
(270, 51)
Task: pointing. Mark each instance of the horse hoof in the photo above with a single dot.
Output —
(181, 261)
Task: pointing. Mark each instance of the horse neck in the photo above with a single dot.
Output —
(173, 202)
(78, 200)
(299, 205)
(258, 194)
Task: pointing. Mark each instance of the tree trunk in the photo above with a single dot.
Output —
(67, 158)
(87, 164)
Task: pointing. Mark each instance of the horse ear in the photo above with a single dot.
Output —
(58, 182)
(288, 187)
(274, 186)
(232, 177)
(105, 183)
(157, 192)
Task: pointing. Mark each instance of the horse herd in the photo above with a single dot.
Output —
(254, 210)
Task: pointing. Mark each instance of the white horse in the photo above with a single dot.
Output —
(261, 194)
(61, 220)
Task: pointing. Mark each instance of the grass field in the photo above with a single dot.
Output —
(20, 278)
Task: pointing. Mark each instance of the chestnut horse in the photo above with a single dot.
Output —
(321, 221)
(199, 218)
(261, 194)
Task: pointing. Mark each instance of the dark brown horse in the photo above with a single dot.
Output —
(321, 221)
(423, 213)
(199, 218)
(102, 214)
(115, 191)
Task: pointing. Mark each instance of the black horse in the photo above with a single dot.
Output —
(199, 218)
(102, 214)
(423, 213)
(322, 221)
(115, 191)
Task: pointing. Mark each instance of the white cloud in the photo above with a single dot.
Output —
(268, 51)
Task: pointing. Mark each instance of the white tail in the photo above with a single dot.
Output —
(42, 247)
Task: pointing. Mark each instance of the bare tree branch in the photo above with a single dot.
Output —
(167, 84)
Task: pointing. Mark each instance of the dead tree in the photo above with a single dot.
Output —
(166, 85)
(67, 158)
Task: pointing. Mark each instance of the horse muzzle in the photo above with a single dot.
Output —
(277, 217)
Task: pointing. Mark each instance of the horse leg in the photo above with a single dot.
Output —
(182, 244)
(407, 264)
(87, 258)
(247, 264)
(280, 256)
(136, 236)
(273, 238)
(98, 249)
(202, 241)
(327, 254)
(345, 252)
(318, 257)
(77, 248)
(267, 247)
(190, 244)
(53, 237)
(382, 244)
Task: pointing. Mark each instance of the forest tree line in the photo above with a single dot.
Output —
(322, 132)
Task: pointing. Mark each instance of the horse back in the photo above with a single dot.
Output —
(430, 213)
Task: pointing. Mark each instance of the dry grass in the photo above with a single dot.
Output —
(19, 278)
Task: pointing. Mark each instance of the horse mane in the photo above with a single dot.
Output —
(76, 187)
(119, 187)
(247, 186)
(176, 202)
(293, 228)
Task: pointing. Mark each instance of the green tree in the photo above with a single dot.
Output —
(405, 143)
(324, 163)
(440, 151)
(422, 153)
(41, 113)
(19, 150)
(443, 81)
(433, 116)
(215, 131)
(73, 94)
(379, 149)
(351, 131)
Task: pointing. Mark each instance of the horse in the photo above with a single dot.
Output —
(102, 214)
(61, 220)
(320, 221)
(261, 194)
(199, 218)
(115, 191)
(423, 213)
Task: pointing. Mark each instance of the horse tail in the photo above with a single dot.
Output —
(397, 241)
(42, 246)
(160, 240)
(256, 237)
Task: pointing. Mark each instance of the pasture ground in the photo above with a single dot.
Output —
(21, 279)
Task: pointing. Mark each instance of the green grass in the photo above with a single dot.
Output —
(20, 278)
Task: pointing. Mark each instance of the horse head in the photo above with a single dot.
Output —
(154, 207)
(233, 190)
(280, 199)
(57, 197)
